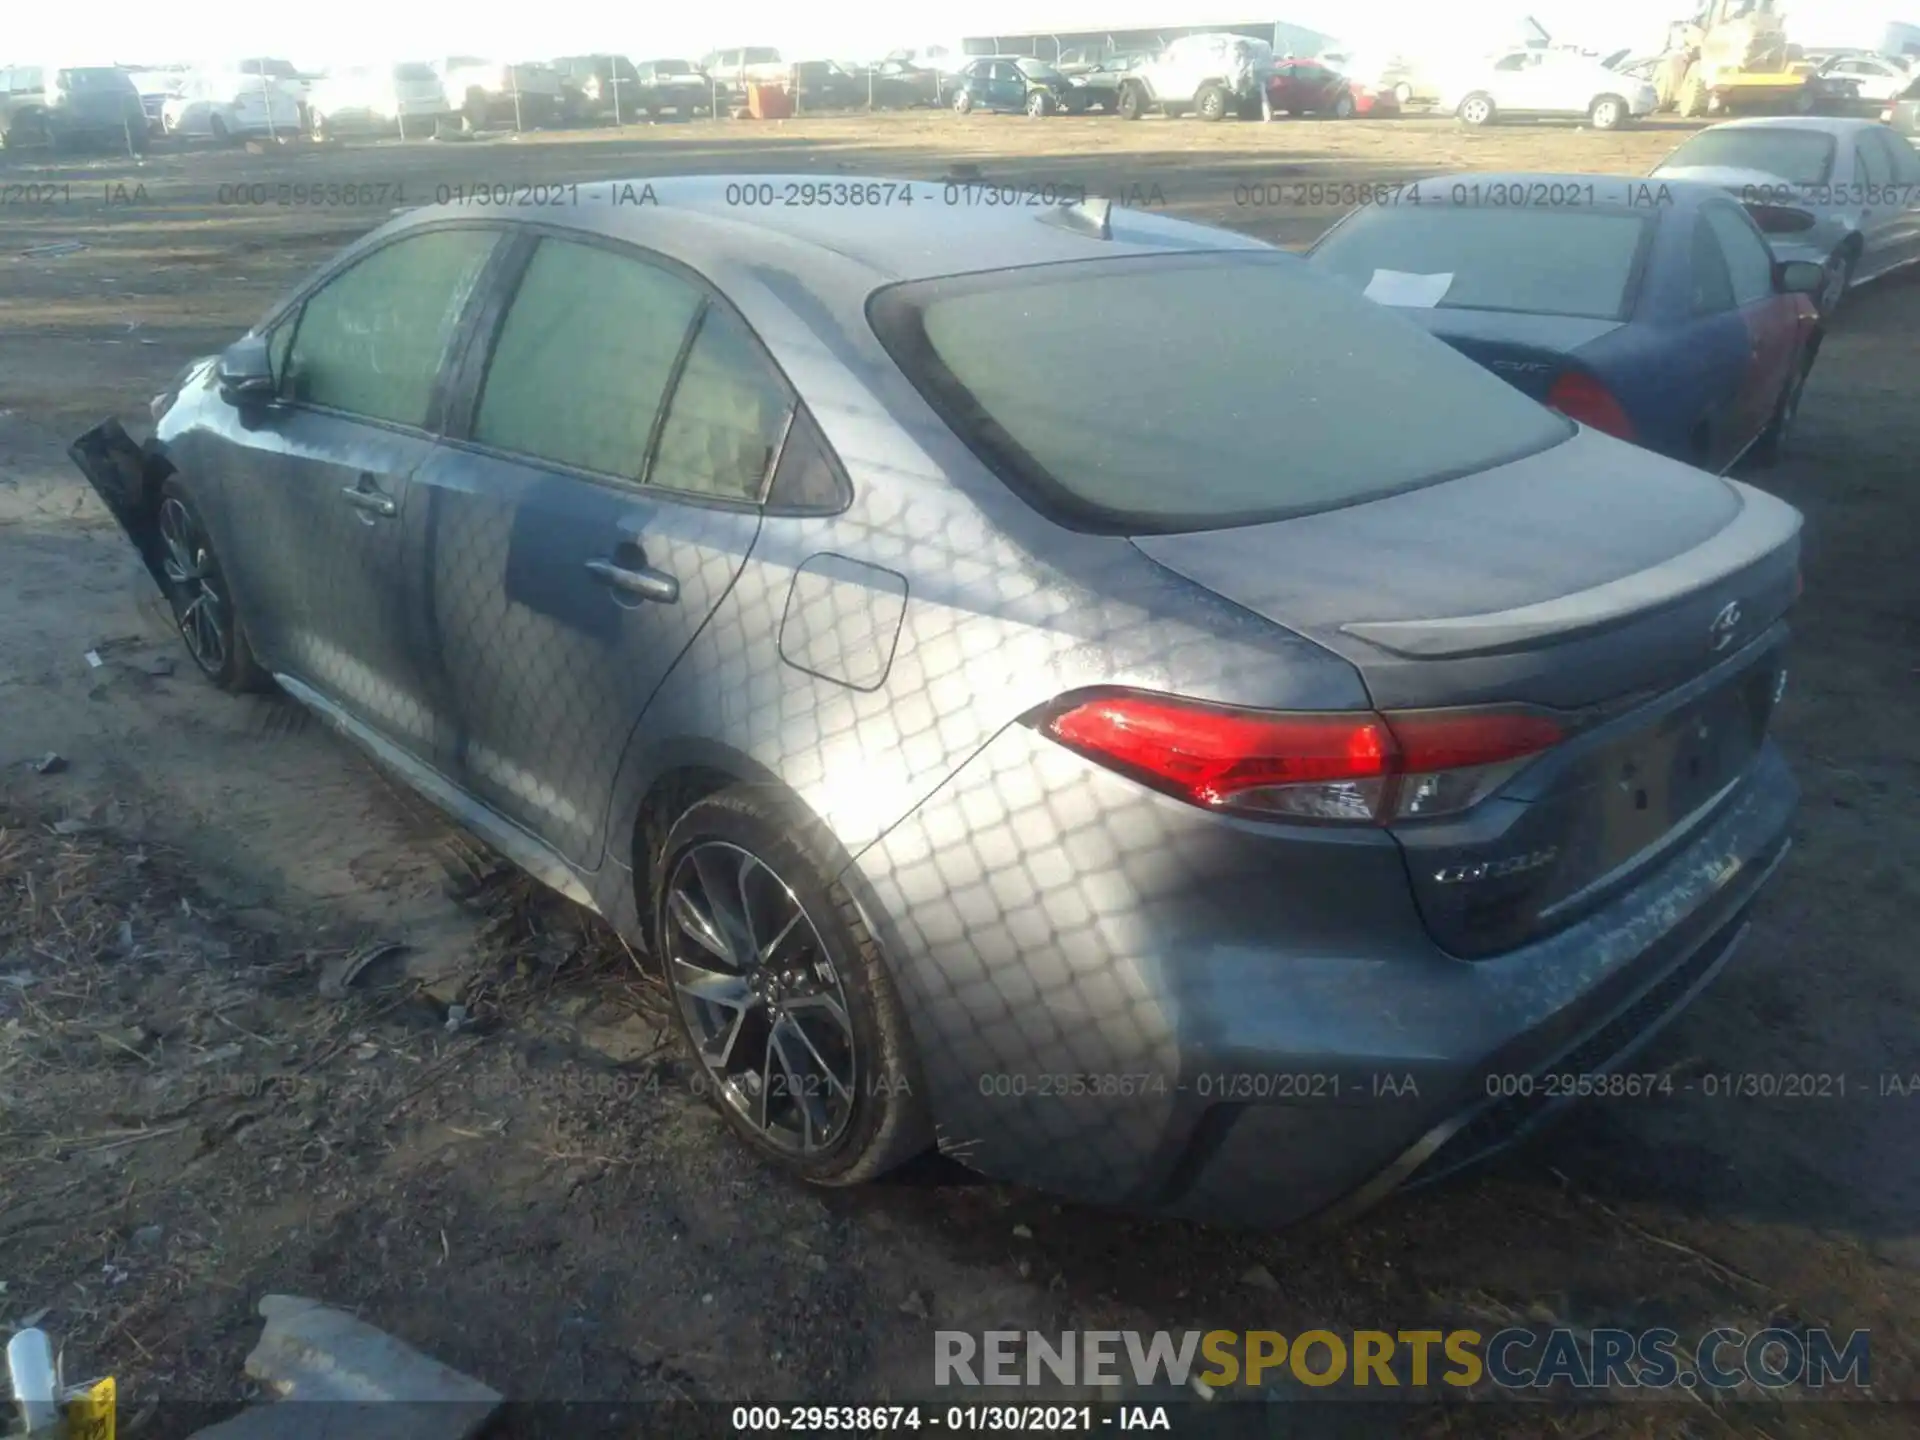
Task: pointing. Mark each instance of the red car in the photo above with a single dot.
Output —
(1307, 87)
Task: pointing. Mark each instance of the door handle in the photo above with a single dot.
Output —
(365, 495)
(642, 581)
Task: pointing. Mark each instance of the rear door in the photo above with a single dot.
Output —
(323, 487)
(1724, 350)
(1773, 320)
(600, 499)
(1901, 198)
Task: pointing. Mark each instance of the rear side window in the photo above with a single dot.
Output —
(372, 340)
(1248, 425)
(584, 359)
(1749, 261)
(1579, 261)
(726, 417)
(1712, 281)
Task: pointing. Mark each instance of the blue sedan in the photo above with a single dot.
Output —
(1652, 310)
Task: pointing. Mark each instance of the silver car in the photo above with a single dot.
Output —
(1842, 193)
(1234, 789)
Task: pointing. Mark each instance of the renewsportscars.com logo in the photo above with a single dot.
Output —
(1517, 1358)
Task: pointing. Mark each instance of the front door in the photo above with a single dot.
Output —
(603, 499)
(1772, 319)
(324, 478)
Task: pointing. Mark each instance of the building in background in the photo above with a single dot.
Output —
(1143, 30)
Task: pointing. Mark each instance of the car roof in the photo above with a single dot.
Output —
(1828, 124)
(691, 220)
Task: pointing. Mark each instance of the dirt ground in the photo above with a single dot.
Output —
(194, 1111)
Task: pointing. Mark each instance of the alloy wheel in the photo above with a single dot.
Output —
(199, 599)
(761, 998)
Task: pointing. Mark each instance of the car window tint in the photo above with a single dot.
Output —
(1871, 166)
(726, 415)
(371, 341)
(1905, 161)
(1572, 261)
(1132, 448)
(1749, 261)
(584, 358)
(1712, 281)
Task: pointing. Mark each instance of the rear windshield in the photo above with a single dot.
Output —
(1262, 390)
(762, 57)
(413, 72)
(670, 67)
(1533, 260)
(1800, 157)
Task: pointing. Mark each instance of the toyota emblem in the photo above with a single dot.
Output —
(1724, 627)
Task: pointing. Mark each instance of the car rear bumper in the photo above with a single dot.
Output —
(1128, 1001)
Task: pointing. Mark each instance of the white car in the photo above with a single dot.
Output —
(1875, 76)
(1535, 83)
(224, 105)
(1214, 75)
(378, 98)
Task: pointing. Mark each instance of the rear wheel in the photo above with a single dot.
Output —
(202, 604)
(1343, 106)
(1211, 103)
(1132, 103)
(1609, 112)
(1403, 93)
(782, 994)
(1477, 111)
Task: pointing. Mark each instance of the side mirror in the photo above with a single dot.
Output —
(245, 372)
(1802, 277)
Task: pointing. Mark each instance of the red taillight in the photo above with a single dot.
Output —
(1348, 766)
(1579, 396)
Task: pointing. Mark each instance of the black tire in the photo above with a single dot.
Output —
(204, 613)
(1477, 111)
(884, 1120)
(1777, 439)
(1211, 104)
(1132, 104)
(1343, 106)
(1609, 112)
(963, 102)
(1039, 104)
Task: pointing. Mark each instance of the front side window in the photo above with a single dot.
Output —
(1870, 164)
(726, 417)
(372, 340)
(1749, 261)
(584, 359)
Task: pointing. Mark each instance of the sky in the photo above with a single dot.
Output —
(347, 31)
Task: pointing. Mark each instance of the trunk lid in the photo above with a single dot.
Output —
(1637, 597)
(1529, 352)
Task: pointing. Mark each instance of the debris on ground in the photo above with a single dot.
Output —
(312, 1352)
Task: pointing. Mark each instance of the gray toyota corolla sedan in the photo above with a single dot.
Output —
(1021, 706)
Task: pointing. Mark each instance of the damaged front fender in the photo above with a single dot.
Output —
(127, 476)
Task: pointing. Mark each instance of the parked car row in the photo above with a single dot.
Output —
(1212, 76)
